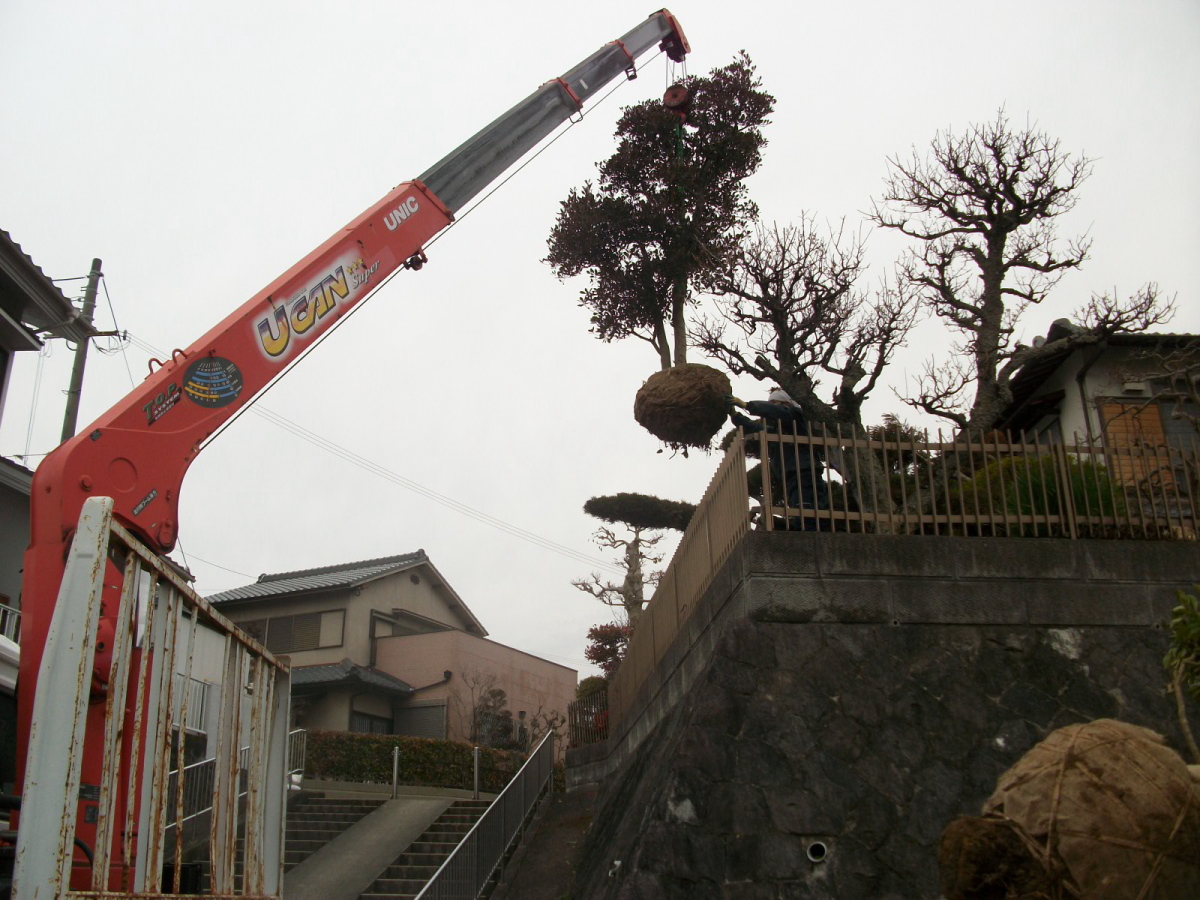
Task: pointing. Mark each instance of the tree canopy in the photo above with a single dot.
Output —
(790, 310)
(982, 207)
(668, 209)
(641, 511)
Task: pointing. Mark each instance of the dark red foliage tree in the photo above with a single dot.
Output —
(668, 208)
(606, 646)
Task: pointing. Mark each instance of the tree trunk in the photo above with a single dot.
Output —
(633, 589)
(678, 300)
(662, 345)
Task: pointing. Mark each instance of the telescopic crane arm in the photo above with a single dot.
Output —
(138, 452)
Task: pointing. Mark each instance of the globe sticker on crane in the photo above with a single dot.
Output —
(213, 381)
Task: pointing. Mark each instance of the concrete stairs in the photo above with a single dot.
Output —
(313, 821)
(413, 868)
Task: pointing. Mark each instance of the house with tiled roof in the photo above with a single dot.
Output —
(32, 310)
(1126, 388)
(387, 646)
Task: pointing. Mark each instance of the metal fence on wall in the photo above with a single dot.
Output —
(896, 481)
(720, 522)
(977, 484)
(587, 719)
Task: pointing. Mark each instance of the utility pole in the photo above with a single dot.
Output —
(81, 349)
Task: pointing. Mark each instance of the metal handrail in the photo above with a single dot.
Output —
(466, 871)
(198, 787)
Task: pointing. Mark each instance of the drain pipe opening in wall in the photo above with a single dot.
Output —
(817, 851)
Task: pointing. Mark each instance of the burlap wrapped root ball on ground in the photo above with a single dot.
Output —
(1103, 810)
(684, 406)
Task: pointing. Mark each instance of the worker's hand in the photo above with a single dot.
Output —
(732, 401)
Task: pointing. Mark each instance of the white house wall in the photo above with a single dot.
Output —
(1105, 378)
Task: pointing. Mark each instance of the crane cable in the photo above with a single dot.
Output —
(338, 324)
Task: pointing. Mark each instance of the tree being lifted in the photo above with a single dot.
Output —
(669, 208)
(983, 207)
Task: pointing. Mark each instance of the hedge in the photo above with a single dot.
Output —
(343, 756)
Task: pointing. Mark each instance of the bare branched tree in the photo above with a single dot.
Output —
(790, 311)
(983, 207)
(636, 552)
(482, 708)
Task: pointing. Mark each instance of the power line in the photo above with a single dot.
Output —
(217, 565)
(116, 327)
(387, 474)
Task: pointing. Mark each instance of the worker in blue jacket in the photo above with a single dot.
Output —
(802, 470)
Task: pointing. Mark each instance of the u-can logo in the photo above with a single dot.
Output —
(397, 216)
(298, 316)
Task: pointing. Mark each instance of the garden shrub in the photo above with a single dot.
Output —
(1029, 486)
(344, 756)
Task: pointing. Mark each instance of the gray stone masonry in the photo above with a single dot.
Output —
(853, 743)
(846, 696)
(904, 581)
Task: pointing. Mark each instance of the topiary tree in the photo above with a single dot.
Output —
(1023, 486)
(607, 645)
(641, 511)
(645, 517)
(593, 684)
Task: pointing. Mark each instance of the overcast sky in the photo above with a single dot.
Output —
(200, 149)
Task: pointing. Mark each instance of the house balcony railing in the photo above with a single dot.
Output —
(10, 623)
(894, 482)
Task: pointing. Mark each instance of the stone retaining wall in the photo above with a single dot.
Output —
(837, 699)
(903, 581)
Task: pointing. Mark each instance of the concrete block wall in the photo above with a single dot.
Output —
(905, 582)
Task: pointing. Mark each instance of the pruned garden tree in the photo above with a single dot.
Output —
(1183, 662)
(668, 207)
(606, 646)
(644, 518)
(482, 707)
(637, 554)
(983, 208)
(790, 310)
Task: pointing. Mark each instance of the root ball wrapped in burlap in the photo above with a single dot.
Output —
(1110, 811)
(685, 406)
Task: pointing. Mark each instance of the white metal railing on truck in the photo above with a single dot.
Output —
(200, 777)
(177, 633)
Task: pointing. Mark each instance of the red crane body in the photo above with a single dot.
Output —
(138, 452)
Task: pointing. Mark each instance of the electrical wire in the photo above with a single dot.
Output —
(380, 471)
(116, 327)
(37, 389)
